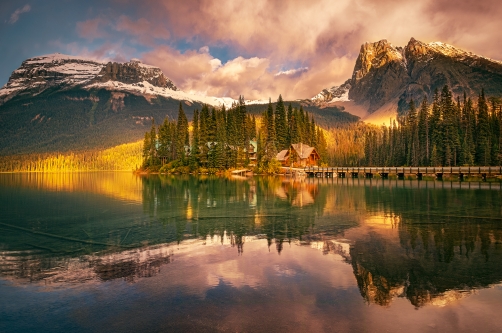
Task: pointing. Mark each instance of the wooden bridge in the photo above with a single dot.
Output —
(241, 172)
(400, 172)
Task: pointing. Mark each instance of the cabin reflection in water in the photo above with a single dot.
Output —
(429, 245)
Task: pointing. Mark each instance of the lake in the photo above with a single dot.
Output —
(116, 252)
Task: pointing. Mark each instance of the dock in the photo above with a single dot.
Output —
(400, 172)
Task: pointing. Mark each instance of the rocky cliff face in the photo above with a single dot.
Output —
(134, 72)
(379, 74)
(387, 75)
(57, 70)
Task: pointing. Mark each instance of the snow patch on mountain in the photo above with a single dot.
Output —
(38, 73)
(333, 94)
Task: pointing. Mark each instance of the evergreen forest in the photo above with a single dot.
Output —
(446, 133)
(220, 139)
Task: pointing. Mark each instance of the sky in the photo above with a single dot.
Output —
(227, 48)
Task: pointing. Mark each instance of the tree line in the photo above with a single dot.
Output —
(446, 133)
(122, 157)
(219, 139)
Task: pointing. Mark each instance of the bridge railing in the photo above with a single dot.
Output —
(408, 170)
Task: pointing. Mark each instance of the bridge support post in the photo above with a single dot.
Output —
(400, 175)
(461, 177)
(420, 176)
(439, 176)
(483, 177)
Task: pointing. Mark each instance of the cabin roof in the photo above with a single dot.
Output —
(282, 155)
(303, 150)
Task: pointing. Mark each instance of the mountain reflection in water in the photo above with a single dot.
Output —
(430, 242)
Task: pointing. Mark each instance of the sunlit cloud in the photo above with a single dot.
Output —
(92, 29)
(142, 28)
(295, 48)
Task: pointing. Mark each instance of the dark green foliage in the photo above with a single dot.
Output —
(182, 138)
(281, 127)
(79, 120)
(450, 134)
(221, 139)
(194, 147)
(483, 132)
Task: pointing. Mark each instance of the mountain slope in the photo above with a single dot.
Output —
(385, 77)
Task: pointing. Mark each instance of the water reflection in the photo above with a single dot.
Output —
(428, 242)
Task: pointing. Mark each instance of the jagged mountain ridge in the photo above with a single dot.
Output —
(64, 72)
(386, 77)
(66, 103)
(39, 73)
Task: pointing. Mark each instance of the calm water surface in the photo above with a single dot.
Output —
(113, 252)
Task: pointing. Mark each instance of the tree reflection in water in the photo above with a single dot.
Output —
(429, 242)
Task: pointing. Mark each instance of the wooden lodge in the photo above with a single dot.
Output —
(298, 155)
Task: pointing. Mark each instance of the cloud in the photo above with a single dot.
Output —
(324, 36)
(295, 48)
(92, 29)
(199, 72)
(108, 51)
(15, 16)
(293, 72)
(142, 28)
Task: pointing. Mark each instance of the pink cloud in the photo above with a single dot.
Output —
(276, 35)
(201, 73)
(92, 29)
(142, 28)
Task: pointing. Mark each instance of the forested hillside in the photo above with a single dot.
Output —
(447, 133)
(77, 119)
(126, 157)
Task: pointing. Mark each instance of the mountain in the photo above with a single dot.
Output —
(65, 103)
(65, 72)
(386, 77)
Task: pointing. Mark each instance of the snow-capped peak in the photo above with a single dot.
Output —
(333, 94)
(38, 73)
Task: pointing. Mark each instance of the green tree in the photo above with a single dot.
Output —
(182, 136)
(483, 132)
(281, 127)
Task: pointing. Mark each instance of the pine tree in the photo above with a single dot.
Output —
(313, 135)
(182, 136)
(153, 145)
(436, 132)
(423, 133)
(146, 150)
(281, 130)
(468, 125)
(294, 134)
(483, 132)
(289, 124)
(194, 150)
(450, 131)
(270, 146)
(221, 142)
(302, 135)
(204, 135)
